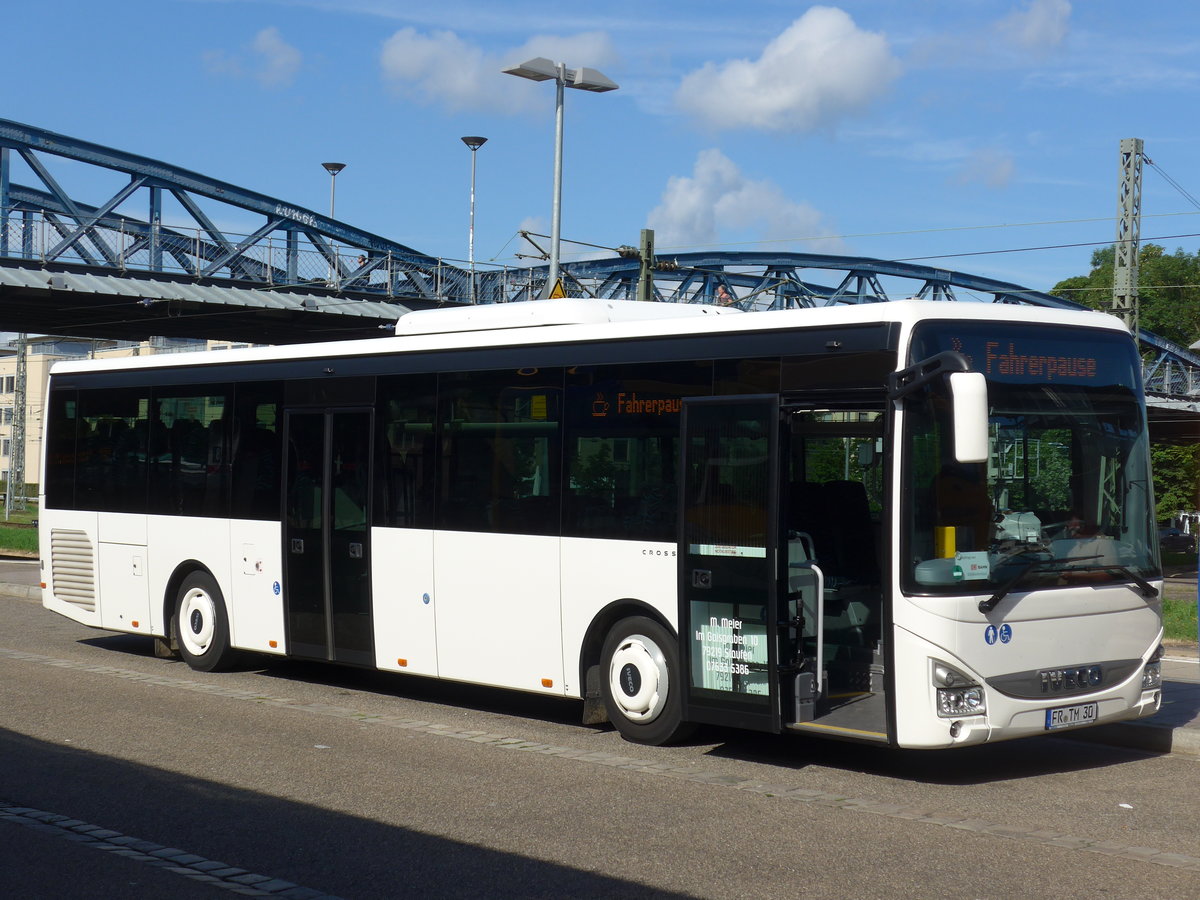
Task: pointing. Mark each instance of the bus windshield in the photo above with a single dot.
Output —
(1065, 497)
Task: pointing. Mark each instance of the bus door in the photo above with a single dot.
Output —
(831, 503)
(728, 547)
(327, 577)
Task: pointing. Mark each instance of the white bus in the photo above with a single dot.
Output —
(914, 523)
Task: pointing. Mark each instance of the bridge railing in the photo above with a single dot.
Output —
(290, 259)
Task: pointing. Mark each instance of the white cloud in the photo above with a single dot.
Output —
(280, 61)
(275, 64)
(441, 67)
(821, 69)
(1042, 25)
(993, 168)
(717, 199)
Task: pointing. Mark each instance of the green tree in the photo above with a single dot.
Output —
(1176, 478)
(1169, 305)
(1168, 290)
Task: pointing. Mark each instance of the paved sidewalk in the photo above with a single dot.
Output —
(1173, 729)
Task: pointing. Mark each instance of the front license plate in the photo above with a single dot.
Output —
(1070, 716)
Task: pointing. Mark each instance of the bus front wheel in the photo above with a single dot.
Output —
(202, 628)
(640, 682)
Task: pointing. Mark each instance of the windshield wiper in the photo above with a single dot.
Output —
(1148, 590)
(986, 606)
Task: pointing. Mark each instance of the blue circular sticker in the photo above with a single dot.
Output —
(989, 634)
(425, 599)
(1005, 633)
(275, 587)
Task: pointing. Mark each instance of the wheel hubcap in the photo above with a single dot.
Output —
(197, 610)
(638, 678)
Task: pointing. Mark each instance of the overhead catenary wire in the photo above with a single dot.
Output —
(1172, 182)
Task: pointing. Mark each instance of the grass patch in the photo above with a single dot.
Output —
(1179, 618)
(21, 539)
(19, 534)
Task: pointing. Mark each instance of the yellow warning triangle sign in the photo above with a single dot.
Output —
(558, 293)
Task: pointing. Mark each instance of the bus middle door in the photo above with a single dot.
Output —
(327, 576)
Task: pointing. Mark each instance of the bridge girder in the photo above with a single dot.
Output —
(101, 234)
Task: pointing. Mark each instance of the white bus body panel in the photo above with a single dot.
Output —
(596, 573)
(253, 591)
(405, 616)
(1113, 622)
(125, 604)
(498, 610)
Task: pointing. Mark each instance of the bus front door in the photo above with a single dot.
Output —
(728, 547)
(327, 578)
(830, 511)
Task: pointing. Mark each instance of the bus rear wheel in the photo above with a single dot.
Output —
(201, 625)
(640, 681)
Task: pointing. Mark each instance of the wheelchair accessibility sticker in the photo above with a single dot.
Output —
(1004, 634)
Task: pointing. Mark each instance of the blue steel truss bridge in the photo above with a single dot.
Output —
(145, 258)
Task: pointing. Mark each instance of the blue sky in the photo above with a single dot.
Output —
(922, 129)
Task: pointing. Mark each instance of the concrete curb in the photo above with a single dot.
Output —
(21, 591)
(1142, 736)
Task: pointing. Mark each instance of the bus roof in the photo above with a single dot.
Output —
(577, 321)
(568, 311)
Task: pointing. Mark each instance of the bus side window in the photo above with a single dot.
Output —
(622, 440)
(61, 454)
(111, 474)
(406, 458)
(500, 451)
(256, 452)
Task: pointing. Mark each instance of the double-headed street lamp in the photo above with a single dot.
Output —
(474, 142)
(542, 69)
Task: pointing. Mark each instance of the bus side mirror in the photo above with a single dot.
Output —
(969, 393)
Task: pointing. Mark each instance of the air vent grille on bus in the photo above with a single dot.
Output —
(73, 567)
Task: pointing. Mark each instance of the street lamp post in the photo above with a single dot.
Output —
(333, 168)
(474, 142)
(542, 69)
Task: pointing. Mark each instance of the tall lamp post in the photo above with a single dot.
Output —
(542, 69)
(333, 168)
(474, 142)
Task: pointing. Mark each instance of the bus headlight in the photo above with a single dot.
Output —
(957, 695)
(1152, 676)
(954, 702)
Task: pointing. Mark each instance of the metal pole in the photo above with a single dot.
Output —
(333, 168)
(471, 234)
(473, 142)
(556, 211)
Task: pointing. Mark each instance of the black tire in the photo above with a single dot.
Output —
(201, 624)
(640, 681)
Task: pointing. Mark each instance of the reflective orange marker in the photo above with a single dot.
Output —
(547, 682)
(402, 663)
(272, 644)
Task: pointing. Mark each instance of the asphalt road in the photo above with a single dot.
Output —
(310, 781)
